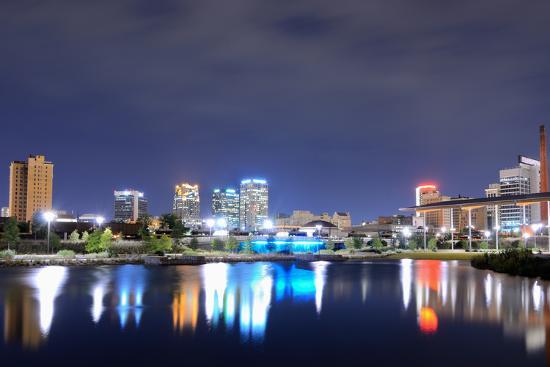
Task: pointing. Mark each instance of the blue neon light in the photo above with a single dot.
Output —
(286, 246)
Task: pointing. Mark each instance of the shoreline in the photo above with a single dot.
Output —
(182, 259)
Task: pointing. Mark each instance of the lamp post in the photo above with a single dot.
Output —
(425, 235)
(49, 216)
(526, 238)
(497, 229)
(470, 229)
(452, 230)
(319, 227)
(210, 223)
(100, 221)
(487, 236)
(406, 234)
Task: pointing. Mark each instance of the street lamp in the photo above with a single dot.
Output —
(210, 223)
(536, 227)
(100, 221)
(49, 216)
(406, 234)
(319, 227)
(487, 236)
(268, 225)
(526, 238)
(452, 230)
(497, 229)
(425, 235)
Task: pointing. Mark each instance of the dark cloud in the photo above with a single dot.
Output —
(335, 102)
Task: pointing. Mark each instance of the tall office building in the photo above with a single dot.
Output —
(429, 194)
(187, 204)
(254, 203)
(225, 204)
(523, 179)
(5, 212)
(130, 206)
(31, 187)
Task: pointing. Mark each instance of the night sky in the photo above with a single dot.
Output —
(341, 105)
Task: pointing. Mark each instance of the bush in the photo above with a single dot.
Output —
(412, 245)
(231, 244)
(377, 244)
(194, 244)
(217, 244)
(330, 245)
(247, 247)
(7, 255)
(66, 253)
(158, 246)
(515, 262)
(432, 244)
(484, 245)
(462, 244)
(85, 236)
(75, 236)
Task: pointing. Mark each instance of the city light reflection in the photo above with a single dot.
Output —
(48, 281)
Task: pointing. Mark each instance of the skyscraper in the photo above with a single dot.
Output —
(254, 203)
(225, 204)
(30, 187)
(187, 204)
(130, 206)
(523, 179)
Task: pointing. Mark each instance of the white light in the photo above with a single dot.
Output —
(496, 228)
(222, 223)
(318, 227)
(526, 235)
(210, 222)
(443, 229)
(406, 232)
(49, 216)
(48, 282)
(487, 234)
(268, 224)
(100, 220)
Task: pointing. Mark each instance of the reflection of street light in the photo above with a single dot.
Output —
(49, 217)
(210, 223)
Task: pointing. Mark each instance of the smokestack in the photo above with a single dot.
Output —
(543, 172)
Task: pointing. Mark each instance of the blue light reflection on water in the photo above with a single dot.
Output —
(130, 286)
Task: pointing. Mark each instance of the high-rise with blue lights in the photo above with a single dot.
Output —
(254, 203)
(225, 204)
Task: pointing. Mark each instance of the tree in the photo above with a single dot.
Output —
(413, 245)
(330, 245)
(158, 246)
(168, 220)
(55, 241)
(231, 244)
(75, 236)
(484, 245)
(432, 244)
(217, 244)
(178, 230)
(105, 240)
(38, 226)
(357, 243)
(11, 232)
(85, 236)
(194, 244)
(377, 244)
(144, 231)
(94, 242)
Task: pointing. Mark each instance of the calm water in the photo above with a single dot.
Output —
(425, 313)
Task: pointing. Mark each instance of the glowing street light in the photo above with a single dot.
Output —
(100, 221)
(222, 223)
(210, 223)
(536, 227)
(268, 225)
(497, 229)
(526, 238)
(49, 216)
(319, 227)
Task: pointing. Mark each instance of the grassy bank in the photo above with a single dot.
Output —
(430, 255)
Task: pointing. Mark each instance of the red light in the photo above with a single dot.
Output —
(428, 320)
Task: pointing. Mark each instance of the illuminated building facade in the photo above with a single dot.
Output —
(130, 206)
(187, 204)
(225, 204)
(254, 203)
(31, 184)
(5, 212)
(523, 179)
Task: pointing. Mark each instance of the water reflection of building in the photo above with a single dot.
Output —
(242, 294)
(444, 290)
(29, 308)
(185, 303)
(128, 292)
(21, 318)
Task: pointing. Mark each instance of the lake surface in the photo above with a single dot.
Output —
(419, 313)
